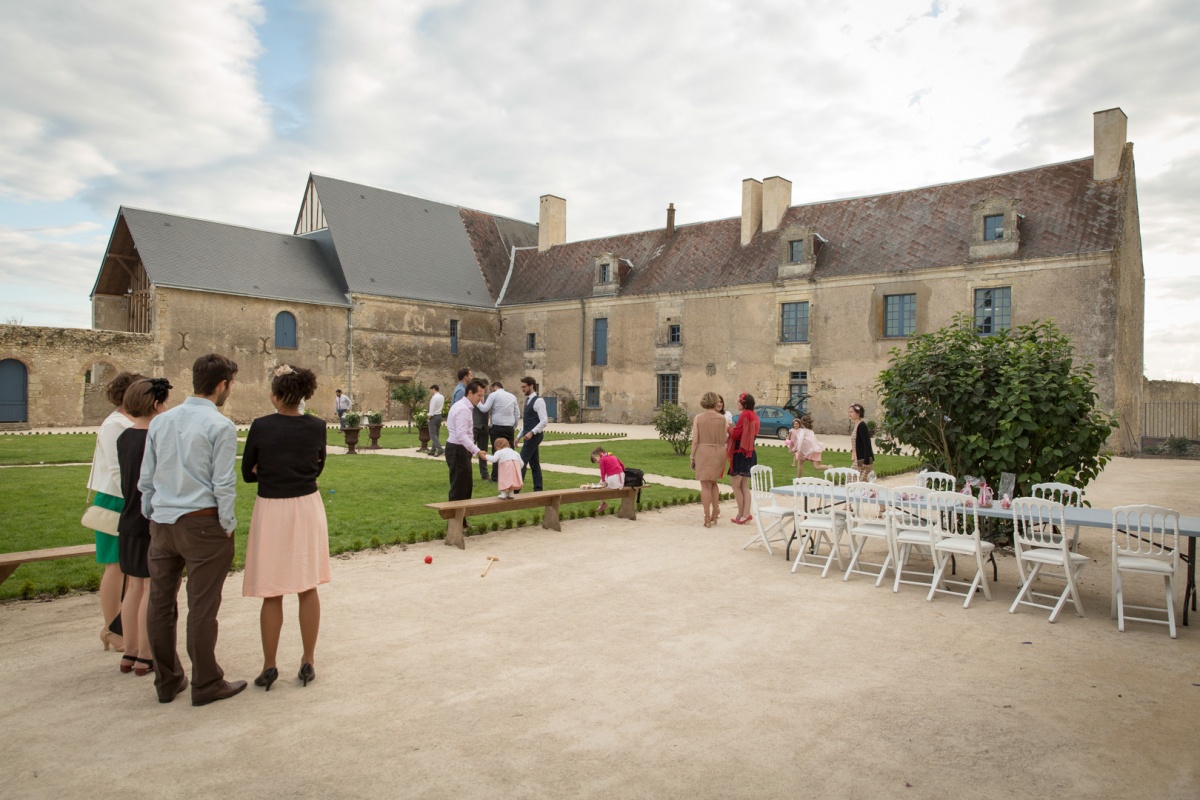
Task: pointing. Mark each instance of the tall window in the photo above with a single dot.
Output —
(793, 322)
(798, 387)
(531, 341)
(796, 251)
(674, 334)
(591, 396)
(668, 389)
(899, 314)
(993, 310)
(453, 337)
(604, 273)
(600, 342)
(993, 227)
(285, 331)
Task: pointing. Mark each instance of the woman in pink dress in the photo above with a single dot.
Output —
(288, 549)
(804, 446)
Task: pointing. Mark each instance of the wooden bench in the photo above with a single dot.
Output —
(10, 561)
(455, 511)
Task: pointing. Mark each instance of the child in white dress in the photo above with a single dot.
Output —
(804, 446)
(509, 468)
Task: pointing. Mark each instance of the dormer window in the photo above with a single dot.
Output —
(796, 251)
(802, 247)
(609, 272)
(993, 227)
(604, 272)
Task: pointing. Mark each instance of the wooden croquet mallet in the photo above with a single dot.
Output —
(489, 565)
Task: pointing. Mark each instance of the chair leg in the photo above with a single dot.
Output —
(1026, 586)
(1120, 604)
(1112, 614)
(1170, 605)
(981, 575)
(889, 561)
(1072, 574)
(937, 574)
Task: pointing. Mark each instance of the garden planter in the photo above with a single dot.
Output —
(423, 435)
(351, 435)
(373, 431)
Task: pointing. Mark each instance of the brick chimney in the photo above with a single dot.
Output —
(752, 202)
(670, 220)
(776, 198)
(552, 222)
(1108, 133)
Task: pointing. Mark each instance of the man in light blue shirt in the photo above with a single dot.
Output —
(465, 375)
(188, 490)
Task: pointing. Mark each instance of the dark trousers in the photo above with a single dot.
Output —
(458, 458)
(435, 431)
(529, 454)
(481, 441)
(199, 544)
(501, 432)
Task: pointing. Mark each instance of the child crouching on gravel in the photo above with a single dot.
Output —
(508, 469)
(612, 471)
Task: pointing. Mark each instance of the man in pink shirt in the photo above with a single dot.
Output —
(460, 442)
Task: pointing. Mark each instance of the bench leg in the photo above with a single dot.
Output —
(6, 570)
(454, 530)
(628, 509)
(551, 519)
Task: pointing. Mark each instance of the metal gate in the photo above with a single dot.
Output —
(1162, 420)
(14, 391)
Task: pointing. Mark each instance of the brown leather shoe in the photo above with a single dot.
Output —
(167, 697)
(224, 690)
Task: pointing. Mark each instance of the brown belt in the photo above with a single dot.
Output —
(204, 512)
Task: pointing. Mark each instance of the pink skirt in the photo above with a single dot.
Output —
(288, 549)
(510, 475)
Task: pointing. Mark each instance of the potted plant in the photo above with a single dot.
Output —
(420, 418)
(572, 409)
(374, 428)
(352, 419)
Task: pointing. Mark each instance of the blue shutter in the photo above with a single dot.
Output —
(600, 343)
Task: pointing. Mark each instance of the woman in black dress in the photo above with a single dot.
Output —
(144, 400)
(862, 455)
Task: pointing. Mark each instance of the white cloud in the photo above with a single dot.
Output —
(49, 272)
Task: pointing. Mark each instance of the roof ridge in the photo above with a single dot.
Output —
(125, 208)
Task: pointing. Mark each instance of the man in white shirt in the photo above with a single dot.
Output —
(533, 424)
(341, 404)
(460, 443)
(436, 404)
(506, 413)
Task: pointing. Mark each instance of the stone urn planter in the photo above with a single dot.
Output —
(374, 428)
(351, 432)
(421, 420)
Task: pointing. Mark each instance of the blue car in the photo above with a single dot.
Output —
(775, 421)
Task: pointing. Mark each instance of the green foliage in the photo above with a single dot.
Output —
(1177, 445)
(353, 419)
(411, 395)
(981, 405)
(571, 409)
(375, 418)
(675, 427)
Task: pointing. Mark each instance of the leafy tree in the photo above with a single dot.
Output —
(981, 405)
(675, 426)
(411, 395)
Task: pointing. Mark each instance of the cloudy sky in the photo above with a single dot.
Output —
(220, 109)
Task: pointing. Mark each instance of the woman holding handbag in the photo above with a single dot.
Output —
(105, 481)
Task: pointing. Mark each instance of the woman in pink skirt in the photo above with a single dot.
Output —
(288, 549)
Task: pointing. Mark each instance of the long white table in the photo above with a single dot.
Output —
(1084, 517)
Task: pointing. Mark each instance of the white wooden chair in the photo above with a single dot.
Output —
(1145, 540)
(956, 522)
(866, 520)
(1038, 543)
(1063, 493)
(840, 476)
(909, 530)
(818, 522)
(770, 514)
(936, 481)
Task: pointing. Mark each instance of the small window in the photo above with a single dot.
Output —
(668, 389)
(591, 397)
(604, 273)
(993, 310)
(797, 389)
(793, 322)
(285, 331)
(600, 342)
(899, 315)
(531, 341)
(993, 227)
(796, 251)
(453, 337)
(674, 334)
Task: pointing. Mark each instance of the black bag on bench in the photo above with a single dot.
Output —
(635, 478)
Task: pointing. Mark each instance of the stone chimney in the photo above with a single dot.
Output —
(552, 222)
(752, 202)
(670, 220)
(776, 198)
(1109, 142)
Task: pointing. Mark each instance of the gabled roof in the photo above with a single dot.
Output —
(187, 253)
(1065, 212)
(397, 245)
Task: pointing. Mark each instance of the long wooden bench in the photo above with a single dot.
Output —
(10, 561)
(455, 511)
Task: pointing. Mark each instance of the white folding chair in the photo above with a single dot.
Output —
(818, 521)
(957, 525)
(766, 505)
(866, 520)
(909, 529)
(1038, 543)
(1063, 493)
(936, 481)
(840, 476)
(1145, 540)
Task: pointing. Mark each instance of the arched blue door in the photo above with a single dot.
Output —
(14, 391)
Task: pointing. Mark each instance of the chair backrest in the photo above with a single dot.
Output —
(840, 476)
(954, 514)
(1146, 532)
(1038, 522)
(908, 506)
(866, 501)
(814, 497)
(1063, 493)
(762, 481)
(936, 481)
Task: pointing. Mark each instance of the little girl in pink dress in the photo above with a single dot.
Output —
(508, 468)
(804, 446)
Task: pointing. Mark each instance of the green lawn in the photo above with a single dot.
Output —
(396, 438)
(47, 448)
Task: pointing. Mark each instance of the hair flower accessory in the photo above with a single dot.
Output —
(283, 369)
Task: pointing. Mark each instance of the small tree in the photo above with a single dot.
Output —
(411, 395)
(675, 426)
(981, 405)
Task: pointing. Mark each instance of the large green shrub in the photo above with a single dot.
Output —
(978, 405)
(674, 426)
(411, 395)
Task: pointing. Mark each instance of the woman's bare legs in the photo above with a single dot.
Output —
(310, 622)
(741, 494)
(270, 622)
(133, 618)
(708, 499)
(110, 600)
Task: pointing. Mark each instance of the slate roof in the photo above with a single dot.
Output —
(1065, 212)
(397, 245)
(188, 253)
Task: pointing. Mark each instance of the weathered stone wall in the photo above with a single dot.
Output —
(1130, 316)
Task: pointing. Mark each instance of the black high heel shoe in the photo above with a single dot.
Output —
(267, 677)
(307, 673)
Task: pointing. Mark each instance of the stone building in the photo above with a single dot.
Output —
(373, 288)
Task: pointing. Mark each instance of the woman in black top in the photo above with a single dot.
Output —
(861, 454)
(144, 400)
(288, 548)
